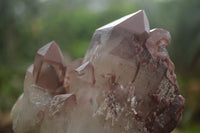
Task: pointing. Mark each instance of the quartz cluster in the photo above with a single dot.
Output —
(124, 84)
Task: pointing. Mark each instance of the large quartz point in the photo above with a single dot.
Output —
(125, 84)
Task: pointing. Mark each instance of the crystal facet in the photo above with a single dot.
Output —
(49, 68)
(125, 84)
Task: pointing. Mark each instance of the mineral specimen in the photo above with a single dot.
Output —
(125, 84)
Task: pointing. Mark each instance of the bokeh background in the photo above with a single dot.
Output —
(27, 25)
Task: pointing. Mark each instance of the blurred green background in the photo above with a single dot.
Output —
(27, 25)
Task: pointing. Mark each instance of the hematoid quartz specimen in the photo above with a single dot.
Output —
(124, 84)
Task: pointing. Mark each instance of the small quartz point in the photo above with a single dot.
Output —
(124, 84)
(49, 68)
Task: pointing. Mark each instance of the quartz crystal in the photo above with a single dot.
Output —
(124, 84)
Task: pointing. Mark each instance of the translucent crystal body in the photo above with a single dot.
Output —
(124, 84)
